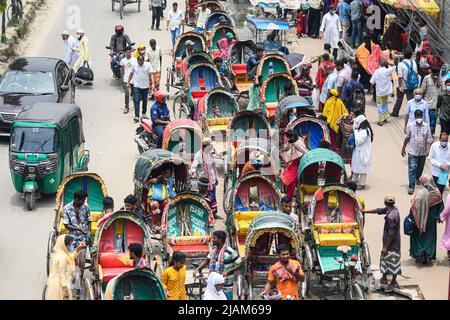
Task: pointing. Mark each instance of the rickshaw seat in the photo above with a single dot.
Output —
(114, 259)
(198, 94)
(239, 69)
(216, 53)
(243, 220)
(94, 225)
(200, 250)
(271, 109)
(109, 273)
(336, 234)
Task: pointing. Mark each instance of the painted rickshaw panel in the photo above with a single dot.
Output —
(312, 130)
(201, 78)
(188, 129)
(180, 47)
(216, 17)
(289, 103)
(280, 65)
(272, 91)
(217, 33)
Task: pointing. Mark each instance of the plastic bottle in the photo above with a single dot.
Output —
(271, 69)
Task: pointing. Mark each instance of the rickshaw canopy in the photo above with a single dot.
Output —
(246, 120)
(293, 102)
(311, 129)
(198, 39)
(429, 7)
(268, 24)
(198, 57)
(320, 155)
(142, 284)
(241, 51)
(218, 17)
(222, 98)
(203, 76)
(177, 129)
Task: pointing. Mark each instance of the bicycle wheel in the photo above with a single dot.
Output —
(354, 292)
(121, 8)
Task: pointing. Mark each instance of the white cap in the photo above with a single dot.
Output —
(65, 33)
(80, 31)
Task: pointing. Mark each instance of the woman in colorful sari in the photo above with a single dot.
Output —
(62, 269)
(333, 110)
(426, 206)
(368, 57)
(292, 152)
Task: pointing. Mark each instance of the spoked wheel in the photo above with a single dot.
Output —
(50, 244)
(122, 6)
(30, 200)
(354, 292)
(180, 109)
(113, 4)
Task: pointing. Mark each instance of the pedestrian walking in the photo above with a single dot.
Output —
(314, 17)
(126, 65)
(445, 217)
(141, 75)
(408, 80)
(362, 154)
(300, 23)
(173, 278)
(356, 16)
(381, 79)
(443, 108)
(330, 82)
(439, 158)
(175, 19)
(418, 103)
(331, 29)
(156, 7)
(418, 139)
(70, 49)
(390, 264)
(353, 94)
(154, 57)
(214, 287)
(344, 74)
(432, 87)
(84, 50)
(342, 10)
(425, 208)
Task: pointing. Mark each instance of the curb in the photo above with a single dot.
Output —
(15, 34)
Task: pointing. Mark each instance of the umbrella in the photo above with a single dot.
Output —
(426, 6)
(295, 59)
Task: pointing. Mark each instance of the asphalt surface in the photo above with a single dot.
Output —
(109, 137)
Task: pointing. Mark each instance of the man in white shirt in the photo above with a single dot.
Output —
(382, 80)
(125, 69)
(174, 20)
(70, 55)
(439, 157)
(331, 29)
(141, 75)
(403, 70)
(202, 14)
(154, 57)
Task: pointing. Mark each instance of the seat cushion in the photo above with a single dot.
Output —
(198, 94)
(239, 69)
(271, 109)
(337, 239)
(219, 121)
(193, 251)
(114, 260)
(188, 240)
(109, 273)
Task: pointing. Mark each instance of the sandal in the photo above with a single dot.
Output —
(126, 110)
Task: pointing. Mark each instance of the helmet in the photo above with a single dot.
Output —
(119, 28)
(161, 96)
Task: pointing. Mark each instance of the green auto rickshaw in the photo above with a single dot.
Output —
(47, 144)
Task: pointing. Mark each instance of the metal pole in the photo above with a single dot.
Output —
(4, 26)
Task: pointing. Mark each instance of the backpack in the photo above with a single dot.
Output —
(358, 100)
(412, 80)
(85, 73)
(408, 225)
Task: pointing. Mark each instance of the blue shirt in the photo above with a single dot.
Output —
(342, 10)
(160, 112)
(349, 89)
(355, 10)
(252, 62)
(413, 105)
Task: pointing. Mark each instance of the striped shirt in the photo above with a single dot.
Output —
(230, 259)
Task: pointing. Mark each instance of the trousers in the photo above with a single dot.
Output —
(140, 95)
(415, 168)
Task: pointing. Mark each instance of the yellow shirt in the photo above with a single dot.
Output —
(174, 282)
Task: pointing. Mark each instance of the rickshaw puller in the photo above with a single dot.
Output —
(160, 115)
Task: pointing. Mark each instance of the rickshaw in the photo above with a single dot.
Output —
(47, 144)
(292, 106)
(238, 156)
(215, 35)
(317, 168)
(198, 57)
(272, 92)
(275, 31)
(94, 186)
(312, 130)
(123, 3)
(191, 7)
(175, 71)
(217, 109)
(149, 165)
(265, 233)
(187, 225)
(110, 257)
(336, 230)
(218, 17)
(270, 64)
(135, 284)
(199, 79)
(183, 137)
(240, 52)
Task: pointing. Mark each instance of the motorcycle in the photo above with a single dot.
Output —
(145, 138)
(114, 61)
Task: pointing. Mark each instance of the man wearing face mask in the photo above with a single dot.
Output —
(443, 108)
(431, 87)
(418, 103)
(418, 139)
(390, 263)
(440, 160)
(331, 30)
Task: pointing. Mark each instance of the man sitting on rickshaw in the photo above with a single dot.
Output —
(256, 162)
(209, 196)
(136, 254)
(286, 273)
(131, 204)
(160, 191)
(160, 115)
(225, 44)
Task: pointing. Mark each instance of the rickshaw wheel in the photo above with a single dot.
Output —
(113, 4)
(354, 292)
(176, 101)
(30, 200)
(168, 80)
(50, 244)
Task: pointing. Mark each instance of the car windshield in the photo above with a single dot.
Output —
(34, 140)
(27, 82)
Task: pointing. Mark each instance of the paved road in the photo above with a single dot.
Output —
(23, 234)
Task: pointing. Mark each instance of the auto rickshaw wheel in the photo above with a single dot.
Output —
(50, 244)
(30, 200)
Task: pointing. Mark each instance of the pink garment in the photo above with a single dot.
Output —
(225, 46)
(374, 59)
(445, 216)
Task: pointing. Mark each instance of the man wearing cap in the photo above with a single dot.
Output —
(225, 44)
(84, 50)
(255, 163)
(70, 49)
(390, 263)
(205, 166)
(203, 190)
